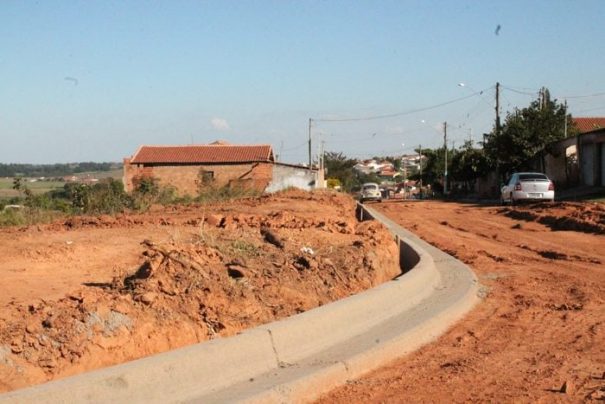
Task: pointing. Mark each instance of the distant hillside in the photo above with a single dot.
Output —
(54, 170)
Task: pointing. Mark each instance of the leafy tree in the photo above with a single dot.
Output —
(468, 164)
(527, 134)
(17, 183)
(340, 167)
(433, 167)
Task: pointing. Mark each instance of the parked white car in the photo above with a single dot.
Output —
(370, 191)
(527, 187)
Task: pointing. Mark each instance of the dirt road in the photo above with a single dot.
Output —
(538, 336)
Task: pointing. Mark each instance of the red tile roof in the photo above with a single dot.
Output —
(200, 154)
(589, 124)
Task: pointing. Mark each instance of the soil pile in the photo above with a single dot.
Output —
(226, 268)
(585, 217)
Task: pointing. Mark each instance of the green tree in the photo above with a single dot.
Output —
(468, 164)
(527, 134)
(433, 167)
(18, 184)
(340, 167)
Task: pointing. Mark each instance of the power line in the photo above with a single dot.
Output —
(520, 92)
(534, 91)
(296, 147)
(591, 109)
(585, 96)
(413, 111)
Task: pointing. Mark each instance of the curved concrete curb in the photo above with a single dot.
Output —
(298, 358)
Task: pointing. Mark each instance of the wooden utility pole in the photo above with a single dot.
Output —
(445, 151)
(310, 120)
(420, 166)
(497, 109)
(565, 117)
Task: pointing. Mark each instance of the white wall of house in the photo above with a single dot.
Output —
(285, 176)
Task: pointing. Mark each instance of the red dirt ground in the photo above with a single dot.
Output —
(539, 334)
(95, 291)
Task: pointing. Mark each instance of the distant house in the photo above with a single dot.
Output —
(591, 150)
(580, 159)
(188, 168)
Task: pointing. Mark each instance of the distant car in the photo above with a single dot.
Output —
(370, 191)
(527, 187)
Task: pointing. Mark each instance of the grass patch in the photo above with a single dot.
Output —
(37, 188)
(244, 248)
(28, 216)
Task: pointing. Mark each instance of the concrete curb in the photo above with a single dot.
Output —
(298, 358)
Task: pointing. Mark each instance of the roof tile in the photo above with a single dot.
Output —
(200, 154)
(589, 124)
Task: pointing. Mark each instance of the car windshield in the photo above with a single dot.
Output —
(370, 187)
(533, 177)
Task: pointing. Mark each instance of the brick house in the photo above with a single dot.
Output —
(188, 167)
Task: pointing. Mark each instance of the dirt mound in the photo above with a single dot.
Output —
(216, 274)
(583, 217)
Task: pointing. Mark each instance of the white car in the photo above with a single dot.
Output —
(527, 187)
(370, 191)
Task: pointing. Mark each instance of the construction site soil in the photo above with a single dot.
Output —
(91, 292)
(539, 333)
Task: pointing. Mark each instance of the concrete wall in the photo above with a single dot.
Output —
(185, 178)
(588, 166)
(591, 158)
(285, 176)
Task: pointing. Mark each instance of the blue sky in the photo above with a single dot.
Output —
(91, 81)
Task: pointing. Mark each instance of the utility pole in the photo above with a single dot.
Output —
(445, 150)
(420, 166)
(310, 120)
(565, 117)
(321, 157)
(497, 108)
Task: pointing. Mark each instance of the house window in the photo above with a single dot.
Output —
(206, 176)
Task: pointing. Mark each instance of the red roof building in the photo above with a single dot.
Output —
(188, 168)
(589, 124)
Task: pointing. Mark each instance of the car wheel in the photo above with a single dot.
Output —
(512, 200)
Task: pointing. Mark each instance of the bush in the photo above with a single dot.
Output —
(148, 191)
(212, 193)
(27, 216)
(107, 197)
(11, 217)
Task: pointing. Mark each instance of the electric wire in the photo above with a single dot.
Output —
(584, 96)
(519, 91)
(413, 111)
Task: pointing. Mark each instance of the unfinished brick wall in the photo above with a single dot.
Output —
(185, 178)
